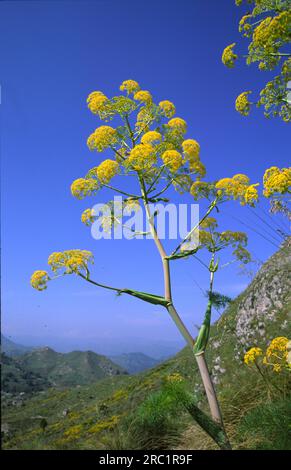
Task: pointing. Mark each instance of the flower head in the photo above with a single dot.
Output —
(83, 187)
(191, 148)
(70, 260)
(88, 217)
(251, 355)
(200, 189)
(242, 104)
(178, 124)
(277, 354)
(228, 56)
(102, 138)
(39, 280)
(168, 108)
(144, 96)
(142, 157)
(238, 187)
(172, 159)
(209, 222)
(106, 170)
(151, 137)
(131, 86)
(97, 101)
(277, 180)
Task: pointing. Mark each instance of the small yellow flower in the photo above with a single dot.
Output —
(251, 195)
(209, 222)
(168, 108)
(151, 137)
(97, 101)
(200, 189)
(131, 86)
(242, 104)
(142, 157)
(277, 180)
(87, 217)
(102, 138)
(39, 280)
(172, 159)
(277, 354)
(228, 56)
(252, 354)
(191, 148)
(83, 187)
(238, 187)
(71, 260)
(107, 170)
(197, 167)
(178, 124)
(144, 96)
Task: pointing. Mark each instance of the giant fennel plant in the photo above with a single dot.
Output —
(267, 26)
(150, 144)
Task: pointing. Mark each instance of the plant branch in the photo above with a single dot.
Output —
(210, 209)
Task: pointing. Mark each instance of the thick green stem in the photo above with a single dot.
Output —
(207, 424)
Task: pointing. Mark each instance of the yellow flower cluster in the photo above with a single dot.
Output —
(191, 148)
(74, 431)
(200, 189)
(277, 180)
(97, 101)
(88, 217)
(228, 56)
(233, 237)
(178, 124)
(277, 354)
(107, 170)
(131, 86)
(242, 104)
(39, 280)
(172, 159)
(168, 108)
(102, 138)
(175, 378)
(143, 118)
(209, 222)
(197, 167)
(245, 27)
(142, 157)
(251, 355)
(71, 260)
(83, 187)
(238, 187)
(205, 238)
(143, 96)
(271, 30)
(110, 423)
(151, 137)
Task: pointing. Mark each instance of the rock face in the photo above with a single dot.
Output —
(255, 317)
(264, 300)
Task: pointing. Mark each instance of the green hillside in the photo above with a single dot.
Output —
(16, 378)
(134, 362)
(13, 349)
(74, 368)
(114, 413)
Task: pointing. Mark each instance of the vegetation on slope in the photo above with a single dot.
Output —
(115, 412)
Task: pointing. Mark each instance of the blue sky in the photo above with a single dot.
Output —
(53, 54)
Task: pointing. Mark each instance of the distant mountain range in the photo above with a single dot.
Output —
(13, 349)
(135, 362)
(25, 369)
